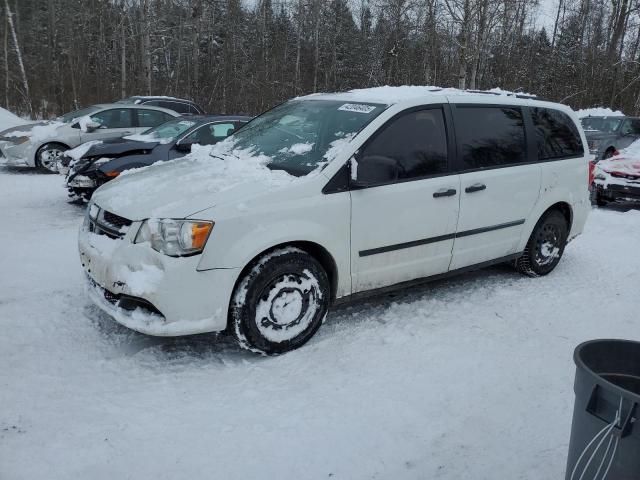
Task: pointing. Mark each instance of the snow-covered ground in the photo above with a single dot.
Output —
(469, 378)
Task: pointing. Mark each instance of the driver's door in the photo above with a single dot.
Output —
(404, 228)
(114, 123)
(208, 134)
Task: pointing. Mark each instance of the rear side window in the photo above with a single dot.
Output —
(417, 141)
(490, 136)
(175, 106)
(152, 118)
(556, 134)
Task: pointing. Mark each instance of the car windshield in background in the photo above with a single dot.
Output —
(69, 117)
(169, 130)
(601, 124)
(298, 134)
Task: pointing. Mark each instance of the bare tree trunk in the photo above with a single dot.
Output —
(123, 61)
(14, 36)
(6, 64)
(555, 25)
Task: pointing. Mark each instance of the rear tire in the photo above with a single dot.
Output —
(280, 303)
(545, 246)
(49, 155)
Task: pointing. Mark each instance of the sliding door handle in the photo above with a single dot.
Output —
(476, 187)
(444, 192)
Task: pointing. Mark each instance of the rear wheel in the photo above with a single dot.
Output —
(280, 303)
(545, 246)
(49, 155)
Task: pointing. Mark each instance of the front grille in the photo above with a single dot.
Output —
(115, 220)
(109, 224)
(126, 302)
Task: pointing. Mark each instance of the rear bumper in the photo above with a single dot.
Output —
(618, 193)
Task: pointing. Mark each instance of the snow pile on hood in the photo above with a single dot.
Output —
(80, 151)
(598, 112)
(191, 180)
(147, 137)
(8, 119)
(627, 162)
(39, 131)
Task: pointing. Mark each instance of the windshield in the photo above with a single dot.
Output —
(68, 117)
(298, 134)
(169, 130)
(601, 124)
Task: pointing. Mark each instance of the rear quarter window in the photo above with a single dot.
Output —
(556, 134)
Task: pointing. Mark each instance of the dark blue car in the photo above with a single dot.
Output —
(104, 161)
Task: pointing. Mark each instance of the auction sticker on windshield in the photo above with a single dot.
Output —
(357, 107)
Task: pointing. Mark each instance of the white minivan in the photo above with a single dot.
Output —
(333, 195)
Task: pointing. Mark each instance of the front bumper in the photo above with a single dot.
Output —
(150, 292)
(16, 154)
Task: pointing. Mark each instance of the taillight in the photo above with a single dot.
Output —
(592, 168)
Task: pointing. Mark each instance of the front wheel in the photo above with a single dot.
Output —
(48, 157)
(280, 302)
(545, 246)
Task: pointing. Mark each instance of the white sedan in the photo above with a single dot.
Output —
(41, 144)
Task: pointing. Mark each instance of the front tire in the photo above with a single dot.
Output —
(49, 155)
(545, 246)
(280, 303)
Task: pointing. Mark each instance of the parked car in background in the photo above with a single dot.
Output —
(617, 179)
(606, 136)
(104, 161)
(41, 145)
(333, 195)
(180, 105)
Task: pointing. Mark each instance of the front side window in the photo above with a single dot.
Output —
(556, 134)
(114, 118)
(490, 136)
(151, 118)
(71, 116)
(297, 135)
(631, 127)
(210, 134)
(416, 142)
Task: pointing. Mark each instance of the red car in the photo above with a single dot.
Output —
(617, 179)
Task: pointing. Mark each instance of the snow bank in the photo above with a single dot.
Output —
(598, 112)
(9, 120)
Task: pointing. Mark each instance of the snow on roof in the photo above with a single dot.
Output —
(598, 112)
(390, 95)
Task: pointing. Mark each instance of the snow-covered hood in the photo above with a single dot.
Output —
(182, 187)
(19, 130)
(621, 166)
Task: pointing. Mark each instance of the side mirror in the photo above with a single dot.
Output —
(373, 170)
(183, 147)
(91, 126)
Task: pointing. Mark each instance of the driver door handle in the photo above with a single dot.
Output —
(476, 187)
(444, 192)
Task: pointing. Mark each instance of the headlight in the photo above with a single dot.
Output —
(19, 140)
(175, 237)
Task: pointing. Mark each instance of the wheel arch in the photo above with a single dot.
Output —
(36, 150)
(317, 251)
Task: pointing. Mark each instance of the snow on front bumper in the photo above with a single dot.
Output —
(150, 292)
